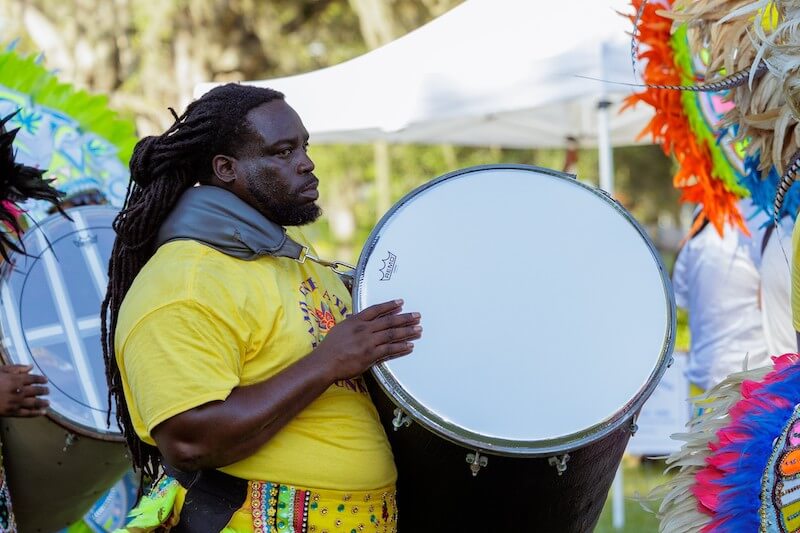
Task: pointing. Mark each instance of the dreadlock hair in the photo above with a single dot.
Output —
(18, 182)
(162, 168)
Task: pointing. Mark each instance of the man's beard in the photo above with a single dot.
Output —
(295, 215)
(279, 208)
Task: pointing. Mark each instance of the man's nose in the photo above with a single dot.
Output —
(305, 165)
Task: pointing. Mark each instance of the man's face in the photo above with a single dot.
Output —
(274, 173)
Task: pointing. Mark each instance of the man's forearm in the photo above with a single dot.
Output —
(220, 433)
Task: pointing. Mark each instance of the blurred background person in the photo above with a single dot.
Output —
(717, 281)
(772, 254)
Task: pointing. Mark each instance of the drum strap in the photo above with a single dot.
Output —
(223, 221)
(211, 499)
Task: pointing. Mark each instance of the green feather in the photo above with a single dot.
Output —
(154, 509)
(91, 111)
(722, 168)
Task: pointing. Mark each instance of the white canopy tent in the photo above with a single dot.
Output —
(488, 72)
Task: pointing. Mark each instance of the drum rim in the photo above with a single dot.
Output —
(499, 446)
(5, 358)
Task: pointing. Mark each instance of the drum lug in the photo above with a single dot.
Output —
(559, 462)
(476, 462)
(400, 419)
(634, 427)
(671, 361)
(69, 441)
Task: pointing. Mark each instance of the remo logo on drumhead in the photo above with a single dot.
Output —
(388, 267)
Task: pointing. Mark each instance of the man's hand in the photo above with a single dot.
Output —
(376, 334)
(20, 391)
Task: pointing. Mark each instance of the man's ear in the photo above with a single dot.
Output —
(224, 168)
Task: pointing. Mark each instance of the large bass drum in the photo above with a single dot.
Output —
(58, 465)
(548, 321)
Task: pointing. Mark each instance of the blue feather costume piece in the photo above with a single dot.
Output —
(762, 190)
(749, 450)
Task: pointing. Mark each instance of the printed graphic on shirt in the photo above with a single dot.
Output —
(321, 311)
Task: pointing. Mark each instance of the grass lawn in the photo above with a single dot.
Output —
(638, 478)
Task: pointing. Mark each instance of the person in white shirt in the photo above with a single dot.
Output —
(772, 254)
(717, 281)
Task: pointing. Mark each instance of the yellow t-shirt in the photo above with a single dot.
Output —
(197, 323)
(796, 275)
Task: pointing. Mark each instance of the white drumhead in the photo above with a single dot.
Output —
(547, 315)
(51, 314)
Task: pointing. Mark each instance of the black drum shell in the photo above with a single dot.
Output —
(436, 490)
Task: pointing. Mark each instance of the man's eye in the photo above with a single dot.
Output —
(285, 152)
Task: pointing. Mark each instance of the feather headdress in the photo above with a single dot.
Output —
(752, 49)
(685, 123)
(83, 144)
(753, 34)
(18, 182)
(732, 471)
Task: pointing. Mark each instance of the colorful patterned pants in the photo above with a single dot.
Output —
(276, 508)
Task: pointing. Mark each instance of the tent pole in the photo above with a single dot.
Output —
(382, 173)
(618, 500)
(606, 154)
(606, 160)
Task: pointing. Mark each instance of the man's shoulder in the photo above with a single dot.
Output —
(183, 271)
(183, 276)
(188, 260)
(191, 270)
(187, 251)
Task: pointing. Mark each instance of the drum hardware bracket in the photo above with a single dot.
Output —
(345, 270)
(400, 419)
(634, 427)
(84, 239)
(69, 441)
(559, 462)
(671, 361)
(476, 462)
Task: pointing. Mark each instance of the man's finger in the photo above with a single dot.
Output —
(24, 412)
(34, 403)
(402, 334)
(395, 321)
(32, 379)
(374, 311)
(35, 390)
(388, 352)
(16, 369)
(394, 349)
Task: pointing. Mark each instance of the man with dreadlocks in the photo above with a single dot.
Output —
(236, 364)
(20, 391)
